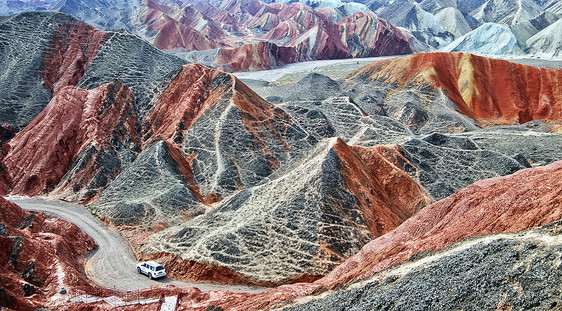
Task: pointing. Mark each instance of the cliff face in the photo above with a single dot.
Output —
(39, 255)
(70, 137)
(486, 90)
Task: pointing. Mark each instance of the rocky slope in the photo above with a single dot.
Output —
(503, 271)
(423, 25)
(494, 203)
(267, 34)
(546, 43)
(486, 90)
(93, 126)
(90, 136)
(38, 58)
(485, 207)
(39, 255)
(514, 266)
(358, 35)
(488, 39)
(280, 231)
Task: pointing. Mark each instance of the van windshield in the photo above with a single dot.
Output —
(158, 268)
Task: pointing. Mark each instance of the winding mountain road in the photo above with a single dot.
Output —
(112, 264)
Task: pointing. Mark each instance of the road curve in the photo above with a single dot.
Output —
(112, 264)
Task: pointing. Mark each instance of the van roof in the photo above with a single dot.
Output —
(153, 263)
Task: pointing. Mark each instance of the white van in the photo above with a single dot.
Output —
(152, 269)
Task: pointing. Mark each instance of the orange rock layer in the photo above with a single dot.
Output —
(489, 91)
(75, 119)
(388, 196)
(43, 253)
(526, 199)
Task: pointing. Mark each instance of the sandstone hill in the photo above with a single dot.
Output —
(242, 34)
(486, 90)
(283, 183)
(39, 255)
(496, 27)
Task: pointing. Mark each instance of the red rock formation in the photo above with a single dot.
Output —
(172, 35)
(194, 91)
(295, 32)
(526, 199)
(365, 36)
(387, 194)
(488, 90)
(311, 36)
(300, 13)
(284, 30)
(38, 256)
(6, 133)
(255, 56)
(182, 103)
(177, 31)
(323, 41)
(69, 53)
(74, 119)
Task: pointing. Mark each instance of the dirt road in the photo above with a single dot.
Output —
(112, 264)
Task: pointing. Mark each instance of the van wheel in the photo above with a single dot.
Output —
(138, 270)
(150, 275)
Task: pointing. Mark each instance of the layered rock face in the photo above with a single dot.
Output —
(36, 58)
(486, 90)
(487, 206)
(80, 140)
(503, 271)
(358, 35)
(280, 231)
(39, 255)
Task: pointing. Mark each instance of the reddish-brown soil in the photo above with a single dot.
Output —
(38, 255)
(74, 120)
(526, 199)
(6, 133)
(184, 100)
(490, 91)
(388, 196)
(69, 53)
